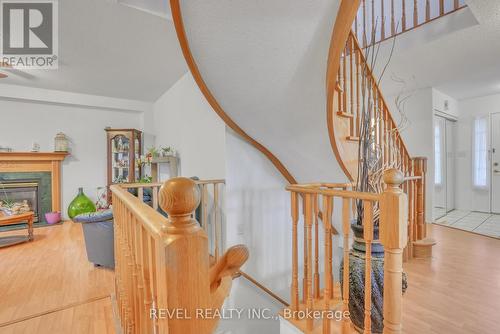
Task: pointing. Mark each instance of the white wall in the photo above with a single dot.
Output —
(419, 135)
(184, 119)
(22, 123)
(467, 196)
(438, 104)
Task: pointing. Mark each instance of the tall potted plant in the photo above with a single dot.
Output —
(371, 167)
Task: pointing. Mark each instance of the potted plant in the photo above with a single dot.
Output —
(371, 167)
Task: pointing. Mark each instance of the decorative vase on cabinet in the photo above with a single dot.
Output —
(80, 204)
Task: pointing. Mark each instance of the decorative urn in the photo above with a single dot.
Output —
(61, 143)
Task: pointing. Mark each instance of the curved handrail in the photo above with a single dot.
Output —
(193, 67)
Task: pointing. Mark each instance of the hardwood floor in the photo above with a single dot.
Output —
(48, 286)
(458, 290)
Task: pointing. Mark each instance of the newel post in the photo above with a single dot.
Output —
(420, 164)
(183, 260)
(393, 235)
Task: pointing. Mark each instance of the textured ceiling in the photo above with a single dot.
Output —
(265, 63)
(111, 50)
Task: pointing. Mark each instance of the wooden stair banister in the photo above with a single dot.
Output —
(353, 80)
(163, 269)
(370, 25)
(393, 235)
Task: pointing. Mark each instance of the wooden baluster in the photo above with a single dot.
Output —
(393, 19)
(415, 13)
(140, 193)
(382, 11)
(403, 17)
(152, 276)
(365, 41)
(456, 4)
(294, 305)
(316, 247)
(356, 26)
(345, 104)
(420, 199)
(382, 132)
(373, 32)
(346, 222)
(327, 210)
(339, 87)
(308, 250)
(217, 227)
(368, 236)
(204, 207)
(441, 7)
(358, 84)
(155, 198)
(350, 42)
(393, 217)
(427, 10)
(305, 291)
(411, 218)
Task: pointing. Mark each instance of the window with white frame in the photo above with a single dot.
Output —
(438, 178)
(480, 154)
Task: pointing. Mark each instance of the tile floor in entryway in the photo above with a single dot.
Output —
(477, 222)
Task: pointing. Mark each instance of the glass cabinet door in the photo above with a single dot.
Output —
(120, 163)
(137, 155)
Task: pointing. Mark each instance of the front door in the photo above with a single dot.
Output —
(495, 168)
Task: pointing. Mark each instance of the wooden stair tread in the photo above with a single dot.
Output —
(335, 304)
(425, 242)
(344, 114)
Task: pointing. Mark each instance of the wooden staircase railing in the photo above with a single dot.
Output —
(379, 20)
(163, 270)
(330, 297)
(358, 91)
(208, 213)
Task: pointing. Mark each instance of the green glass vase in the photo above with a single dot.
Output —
(81, 204)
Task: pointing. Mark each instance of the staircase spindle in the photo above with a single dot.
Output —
(308, 252)
(368, 236)
(345, 104)
(294, 305)
(415, 13)
(456, 4)
(373, 33)
(365, 41)
(393, 19)
(305, 291)
(382, 14)
(427, 10)
(346, 222)
(358, 83)
(441, 7)
(216, 225)
(327, 210)
(403, 16)
(316, 247)
(350, 42)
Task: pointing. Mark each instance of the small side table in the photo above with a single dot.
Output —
(13, 220)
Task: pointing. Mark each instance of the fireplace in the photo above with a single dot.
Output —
(22, 195)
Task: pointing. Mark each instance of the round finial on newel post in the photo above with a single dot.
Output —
(393, 177)
(179, 197)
